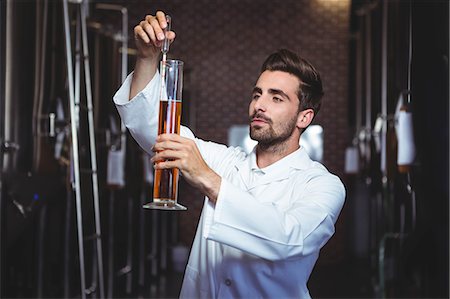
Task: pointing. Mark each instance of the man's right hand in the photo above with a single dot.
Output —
(149, 37)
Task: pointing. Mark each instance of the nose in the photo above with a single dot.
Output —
(260, 104)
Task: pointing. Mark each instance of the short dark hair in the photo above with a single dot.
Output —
(310, 91)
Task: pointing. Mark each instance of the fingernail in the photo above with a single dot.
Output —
(160, 36)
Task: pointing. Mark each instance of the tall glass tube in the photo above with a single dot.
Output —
(165, 190)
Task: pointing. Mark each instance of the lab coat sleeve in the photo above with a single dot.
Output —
(140, 114)
(261, 229)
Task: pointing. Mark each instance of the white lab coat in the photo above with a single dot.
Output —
(262, 238)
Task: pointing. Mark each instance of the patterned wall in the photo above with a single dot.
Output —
(224, 43)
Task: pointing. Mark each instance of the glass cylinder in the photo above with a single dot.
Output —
(165, 190)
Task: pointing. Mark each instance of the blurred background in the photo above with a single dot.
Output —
(73, 181)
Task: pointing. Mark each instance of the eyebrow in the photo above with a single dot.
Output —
(272, 91)
(279, 92)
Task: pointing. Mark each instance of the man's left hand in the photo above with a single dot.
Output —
(174, 151)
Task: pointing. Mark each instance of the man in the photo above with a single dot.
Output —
(267, 214)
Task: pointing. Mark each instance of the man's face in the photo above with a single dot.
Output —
(274, 107)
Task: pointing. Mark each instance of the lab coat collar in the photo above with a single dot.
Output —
(279, 170)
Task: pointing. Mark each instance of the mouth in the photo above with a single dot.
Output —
(259, 120)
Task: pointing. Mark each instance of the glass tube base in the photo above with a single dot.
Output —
(164, 206)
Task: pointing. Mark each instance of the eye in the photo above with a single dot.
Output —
(255, 96)
(277, 99)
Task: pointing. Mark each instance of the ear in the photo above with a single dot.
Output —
(304, 118)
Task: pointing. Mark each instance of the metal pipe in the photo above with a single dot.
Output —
(41, 80)
(359, 72)
(142, 231)
(37, 75)
(410, 48)
(77, 70)
(124, 68)
(8, 161)
(123, 141)
(154, 270)
(3, 16)
(111, 245)
(76, 164)
(97, 75)
(129, 265)
(384, 82)
(408, 97)
(87, 75)
(368, 84)
(40, 251)
(67, 237)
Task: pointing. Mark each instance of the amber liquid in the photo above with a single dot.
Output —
(165, 188)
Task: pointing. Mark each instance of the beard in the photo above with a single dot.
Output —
(268, 135)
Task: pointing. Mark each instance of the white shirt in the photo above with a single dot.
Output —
(263, 236)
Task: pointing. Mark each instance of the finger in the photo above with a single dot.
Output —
(167, 145)
(168, 155)
(166, 164)
(156, 28)
(161, 17)
(139, 33)
(171, 35)
(170, 137)
(149, 30)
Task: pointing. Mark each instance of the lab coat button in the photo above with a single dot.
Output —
(228, 282)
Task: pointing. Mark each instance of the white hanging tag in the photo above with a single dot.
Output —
(116, 169)
(351, 160)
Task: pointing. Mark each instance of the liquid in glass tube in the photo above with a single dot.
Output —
(166, 180)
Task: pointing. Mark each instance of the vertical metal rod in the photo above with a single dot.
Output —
(37, 76)
(154, 253)
(77, 69)
(76, 165)
(2, 234)
(384, 113)
(413, 202)
(9, 161)
(40, 249)
(163, 252)
(124, 68)
(384, 82)
(92, 148)
(359, 75)
(368, 42)
(111, 245)
(164, 238)
(92, 289)
(368, 135)
(410, 57)
(40, 92)
(3, 21)
(67, 247)
(97, 63)
(123, 145)
(129, 246)
(381, 275)
(410, 48)
(142, 230)
(53, 43)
